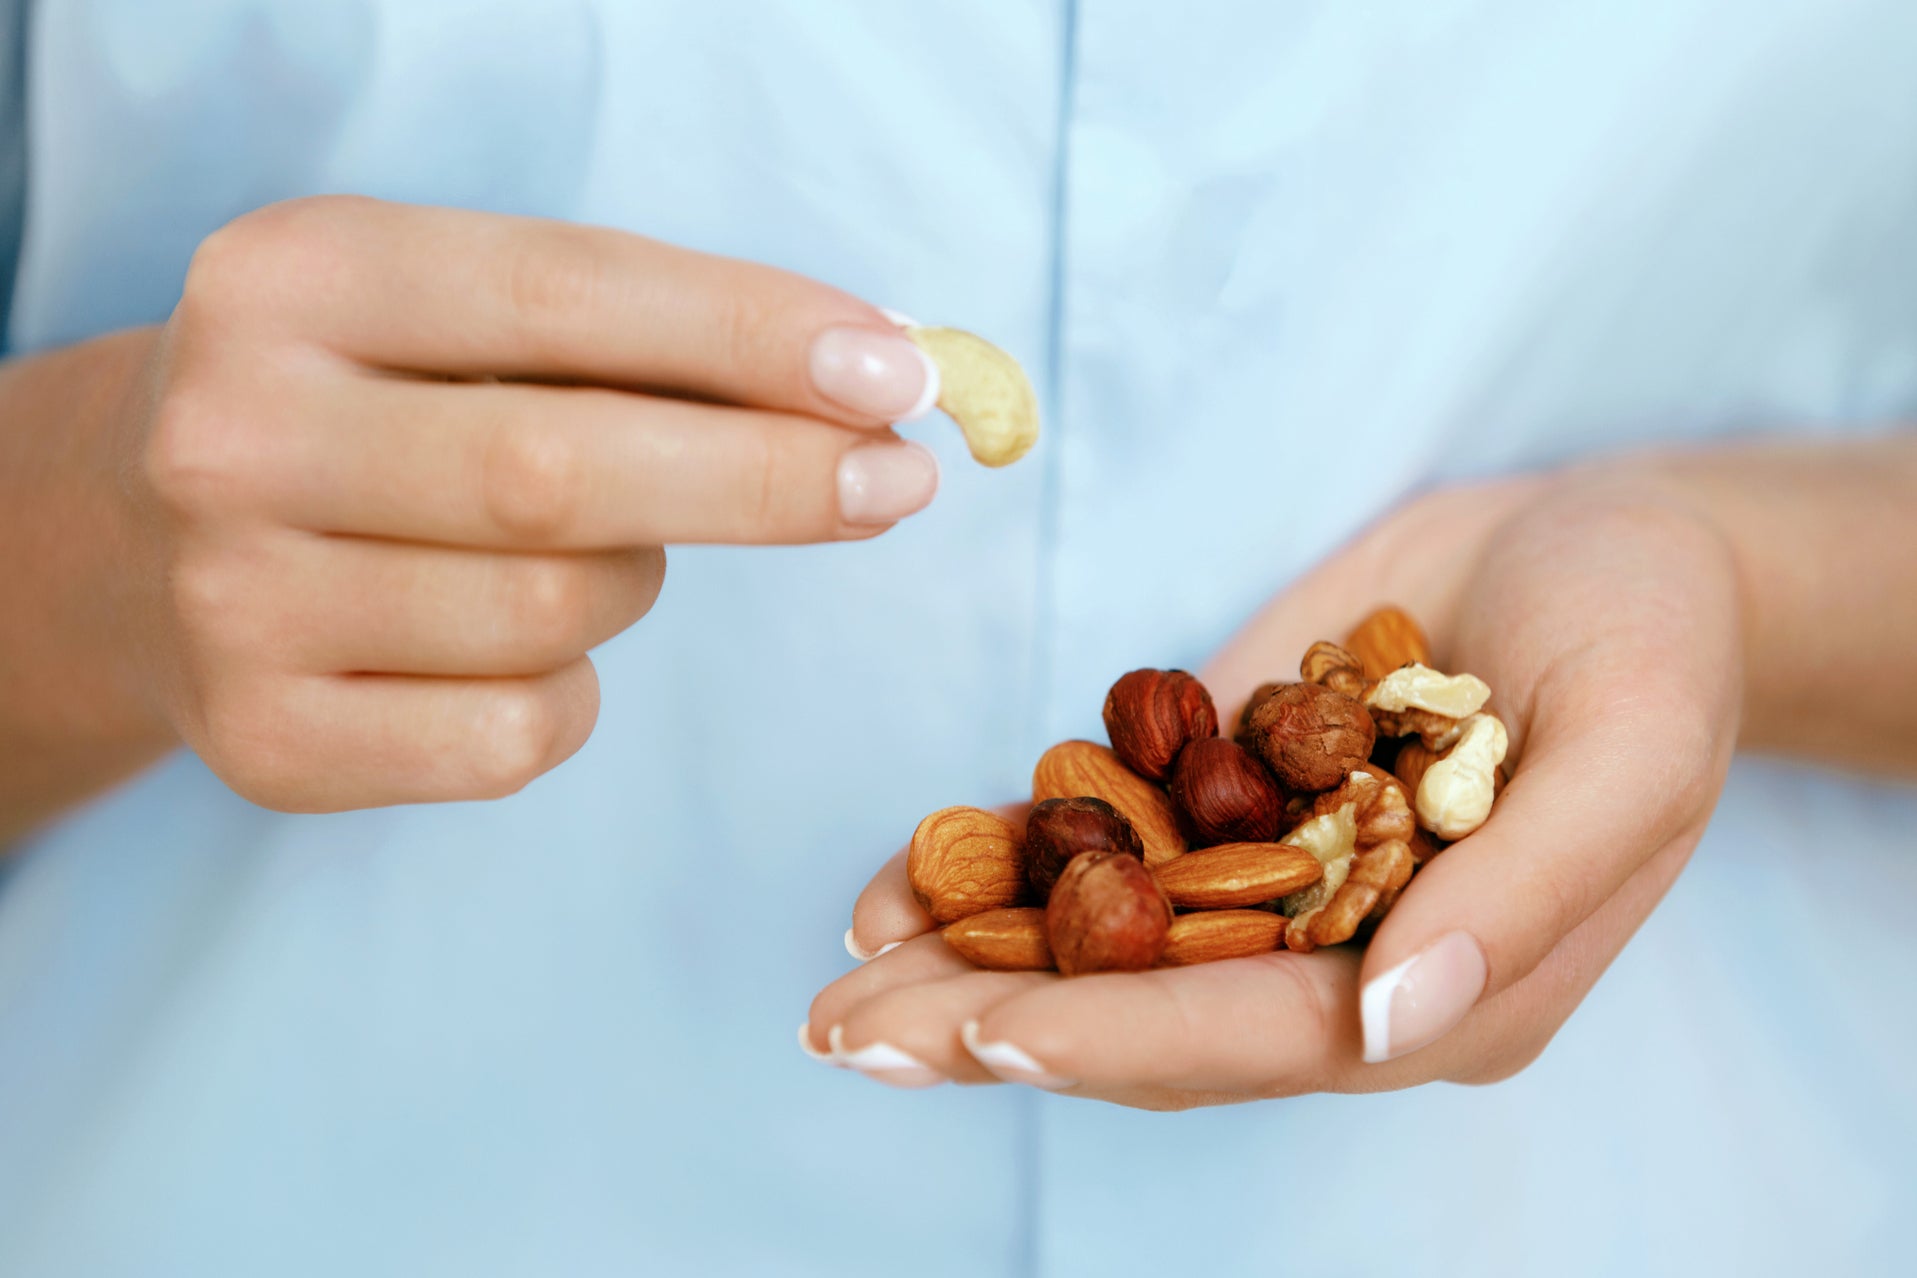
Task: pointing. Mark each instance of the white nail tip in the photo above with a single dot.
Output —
(929, 397)
(1374, 1010)
(873, 1057)
(863, 956)
(805, 1044)
(999, 1057)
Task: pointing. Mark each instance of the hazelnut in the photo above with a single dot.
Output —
(1107, 915)
(1151, 715)
(1225, 795)
(1259, 696)
(1059, 829)
(1310, 736)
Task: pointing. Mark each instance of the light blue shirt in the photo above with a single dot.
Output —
(1383, 243)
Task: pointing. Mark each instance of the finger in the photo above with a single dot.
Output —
(1282, 1024)
(352, 605)
(332, 743)
(916, 962)
(886, 913)
(1267, 1026)
(450, 291)
(539, 467)
(1631, 710)
(908, 1036)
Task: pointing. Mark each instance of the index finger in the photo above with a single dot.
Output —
(461, 293)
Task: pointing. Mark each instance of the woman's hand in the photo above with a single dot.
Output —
(389, 472)
(1606, 618)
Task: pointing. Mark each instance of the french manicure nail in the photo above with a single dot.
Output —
(883, 375)
(866, 956)
(1009, 1061)
(883, 483)
(883, 1063)
(805, 1045)
(1421, 998)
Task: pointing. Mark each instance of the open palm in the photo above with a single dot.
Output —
(1607, 621)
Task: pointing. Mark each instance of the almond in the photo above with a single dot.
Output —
(1010, 940)
(1387, 639)
(1233, 874)
(964, 861)
(1211, 935)
(1075, 769)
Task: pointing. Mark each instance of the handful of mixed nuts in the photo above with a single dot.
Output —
(1178, 846)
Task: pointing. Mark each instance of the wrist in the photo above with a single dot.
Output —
(76, 711)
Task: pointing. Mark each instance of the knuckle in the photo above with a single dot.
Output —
(514, 731)
(530, 478)
(553, 278)
(551, 606)
(196, 451)
(244, 263)
(748, 327)
(764, 508)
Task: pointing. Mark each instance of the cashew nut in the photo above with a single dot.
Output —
(985, 391)
(1454, 796)
(1416, 687)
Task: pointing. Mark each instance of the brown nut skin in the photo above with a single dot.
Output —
(1107, 915)
(964, 861)
(1059, 829)
(1311, 737)
(1073, 768)
(1225, 795)
(1008, 940)
(1151, 715)
(1261, 694)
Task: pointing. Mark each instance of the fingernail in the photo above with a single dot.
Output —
(805, 1045)
(1009, 1061)
(881, 483)
(870, 371)
(884, 1063)
(1421, 998)
(866, 956)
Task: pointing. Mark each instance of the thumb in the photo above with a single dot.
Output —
(1605, 785)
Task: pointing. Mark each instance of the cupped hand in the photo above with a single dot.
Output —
(392, 471)
(1606, 617)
